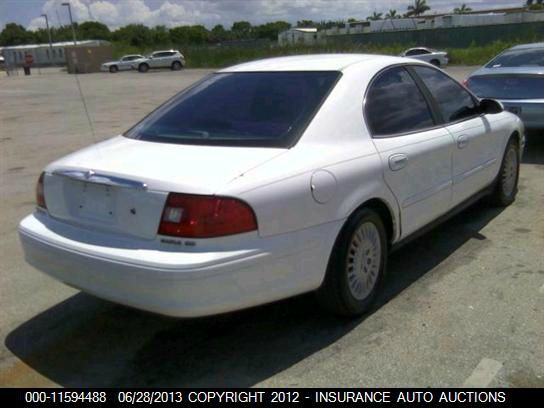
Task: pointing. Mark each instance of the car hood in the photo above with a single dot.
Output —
(165, 166)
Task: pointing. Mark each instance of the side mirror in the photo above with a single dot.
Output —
(491, 106)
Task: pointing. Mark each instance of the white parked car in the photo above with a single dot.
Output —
(437, 58)
(172, 59)
(123, 64)
(269, 179)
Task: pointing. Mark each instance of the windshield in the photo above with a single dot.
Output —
(269, 109)
(519, 58)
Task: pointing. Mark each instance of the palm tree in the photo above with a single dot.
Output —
(419, 7)
(462, 10)
(392, 14)
(375, 16)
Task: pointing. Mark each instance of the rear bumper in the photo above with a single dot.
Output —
(179, 283)
(531, 113)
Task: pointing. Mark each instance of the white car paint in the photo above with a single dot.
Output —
(301, 196)
(123, 64)
(438, 58)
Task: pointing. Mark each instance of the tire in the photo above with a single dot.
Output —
(344, 291)
(506, 186)
(435, 62)
(114, 69)
(176, 66)
(143, 68)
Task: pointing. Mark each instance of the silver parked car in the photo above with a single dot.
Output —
(434, 57)
(516, 78)
(123, 64)
(172, 59)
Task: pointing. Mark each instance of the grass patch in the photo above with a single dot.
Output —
(218, 56)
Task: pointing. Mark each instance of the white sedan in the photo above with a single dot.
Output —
(270, 179)
(123, 64)
(437, 58)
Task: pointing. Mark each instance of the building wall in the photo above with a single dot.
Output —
(83, 59)
(42, 56)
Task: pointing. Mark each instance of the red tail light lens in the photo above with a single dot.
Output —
(465, 83)
(195, 216)
(40, 197)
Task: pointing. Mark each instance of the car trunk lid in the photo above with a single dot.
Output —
(121, 185)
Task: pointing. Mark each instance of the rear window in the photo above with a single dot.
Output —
(519, 58)
(507, 86)
(269, 109)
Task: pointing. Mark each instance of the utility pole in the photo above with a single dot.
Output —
(49, 34)
(71, 21)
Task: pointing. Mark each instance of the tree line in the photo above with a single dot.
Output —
(139, 35)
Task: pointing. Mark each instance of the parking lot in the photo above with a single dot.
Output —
(462, 306)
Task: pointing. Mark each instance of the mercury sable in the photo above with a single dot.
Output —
(270, 179)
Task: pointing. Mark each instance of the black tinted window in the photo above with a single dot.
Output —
(240, 109)
(417, 52)
(453, 100)
(519, 58)
(394, 104)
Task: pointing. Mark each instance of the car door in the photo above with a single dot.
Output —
(162, 60)
(125, 63)
(167, 60)
(155, 60)
(475, 136)
(415, 151)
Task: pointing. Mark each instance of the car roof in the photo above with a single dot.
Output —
(312, 62)
(155, 52)
(528, 46)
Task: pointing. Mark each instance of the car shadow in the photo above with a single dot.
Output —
(84, 341)
(534, 148)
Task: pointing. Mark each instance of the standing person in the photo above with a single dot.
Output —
(29, 60)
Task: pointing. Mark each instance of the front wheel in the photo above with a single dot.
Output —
(506, 186)
(143, 68)
(114, 69)
(356, 266)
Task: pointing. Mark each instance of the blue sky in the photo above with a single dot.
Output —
(116, 13)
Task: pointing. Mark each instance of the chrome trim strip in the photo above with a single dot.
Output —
(425, 194)
(92, 177)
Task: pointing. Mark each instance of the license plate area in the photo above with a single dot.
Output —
(97, 202)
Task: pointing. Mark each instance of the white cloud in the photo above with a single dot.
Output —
(116, 13)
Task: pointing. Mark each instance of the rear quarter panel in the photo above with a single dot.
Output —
(336, 142)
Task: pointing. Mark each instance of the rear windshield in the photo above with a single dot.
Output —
(519, 58)
(507, 86)
(269, 109)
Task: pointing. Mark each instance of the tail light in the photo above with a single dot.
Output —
(40, 197)
(465, 83)
(197, 216)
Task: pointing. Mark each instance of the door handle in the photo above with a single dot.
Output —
(462, 141)
(398, 161)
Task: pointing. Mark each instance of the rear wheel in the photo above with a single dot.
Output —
(506, 186)
(176, 66)
(356, 266)
(143, 67)
(114, 69)
(435, 62)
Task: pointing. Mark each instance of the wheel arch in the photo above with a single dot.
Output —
(386, 213)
